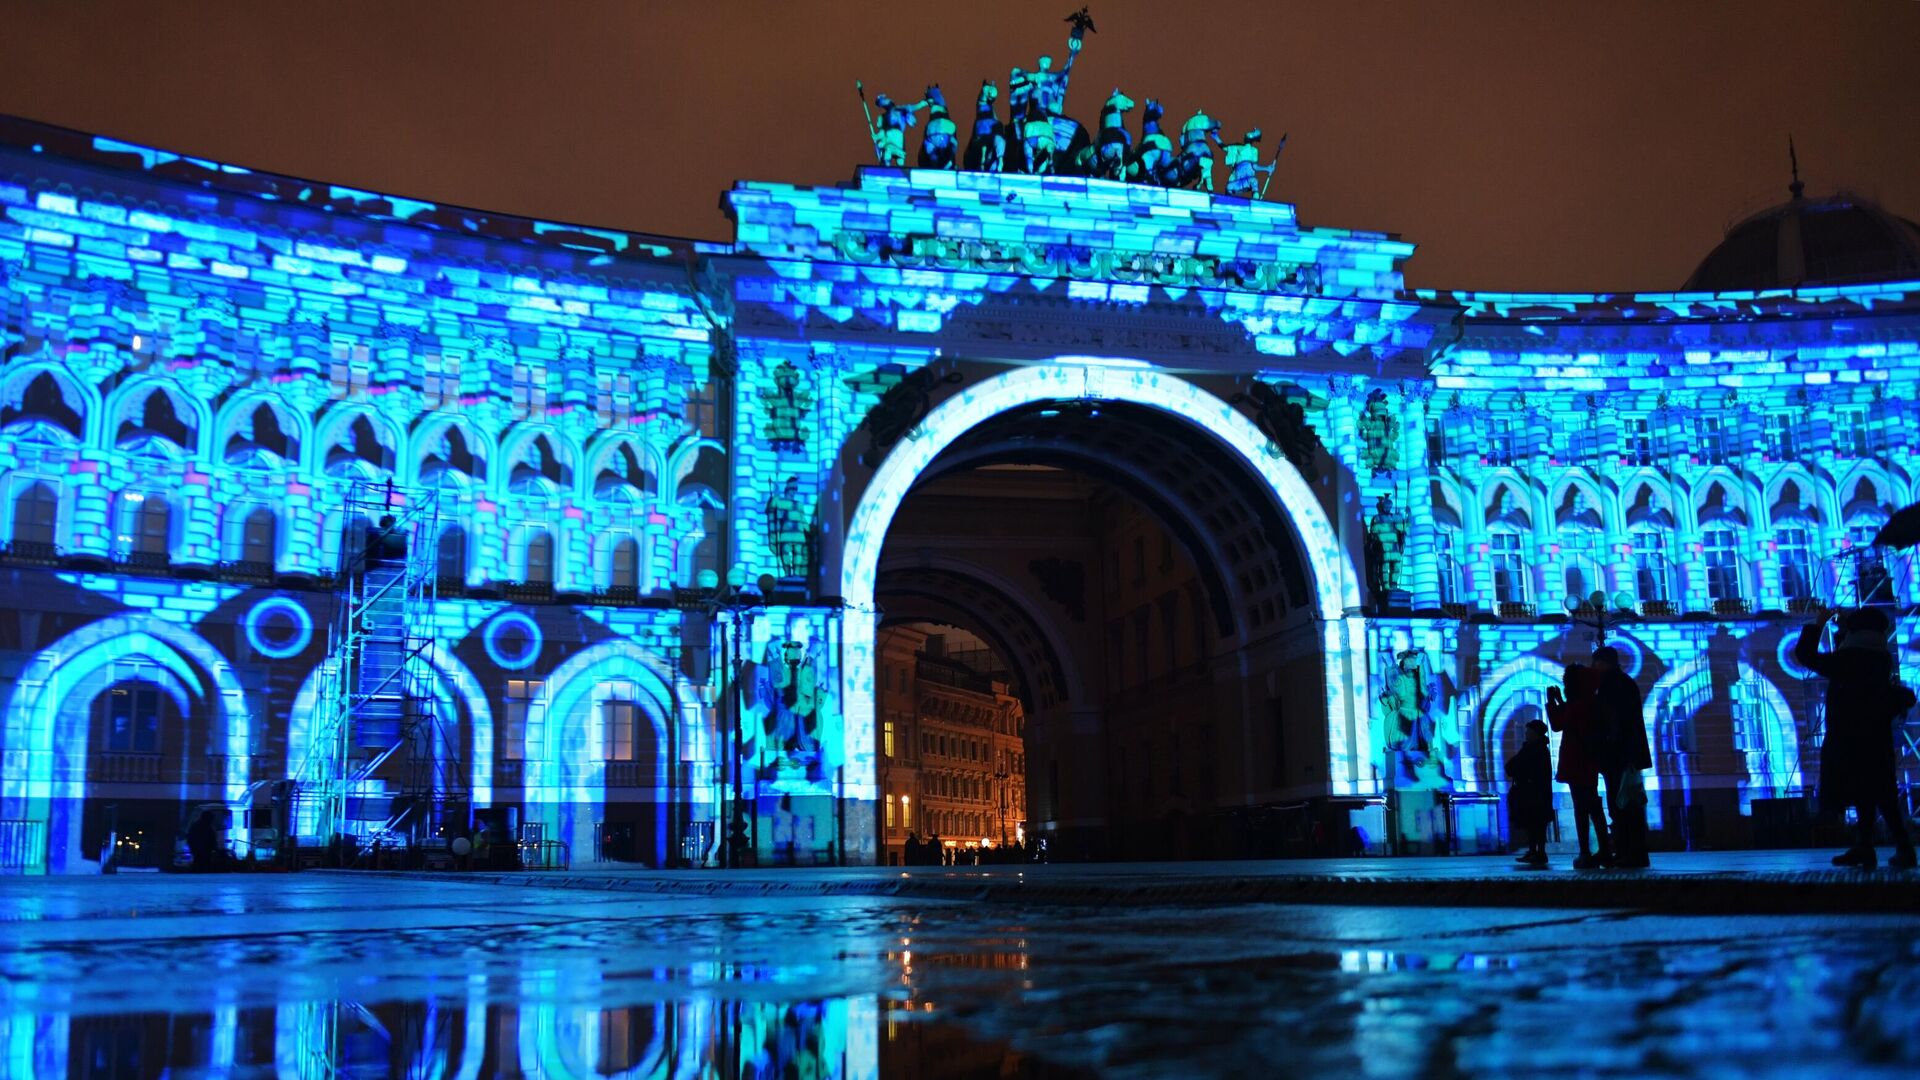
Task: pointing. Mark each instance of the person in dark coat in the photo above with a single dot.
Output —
(1620, 717)
(1857, 760)
(1573, 715)
(1530, 792)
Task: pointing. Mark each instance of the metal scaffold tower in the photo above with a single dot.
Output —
(382, 762)
(1882, 576)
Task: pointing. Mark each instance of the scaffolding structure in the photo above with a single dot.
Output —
(382, 764)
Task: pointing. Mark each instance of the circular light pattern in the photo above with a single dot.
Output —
(1631, 656)
(513, 640)
(278, 628)
(1788, 664)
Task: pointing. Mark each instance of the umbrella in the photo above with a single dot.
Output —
(1902, 530)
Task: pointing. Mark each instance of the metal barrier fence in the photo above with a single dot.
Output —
(23, 846)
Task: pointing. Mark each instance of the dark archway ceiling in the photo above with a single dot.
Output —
(1237, 534)
(949, 595)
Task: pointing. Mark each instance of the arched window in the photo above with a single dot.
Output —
(257, 539)
(624, 571)
(539, 558)
(45, 400)
(36, 518)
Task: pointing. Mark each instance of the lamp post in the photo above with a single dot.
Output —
(1593, 611)
(1000, 775)
(738, 604)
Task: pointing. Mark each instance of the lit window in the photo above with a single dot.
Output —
(1640, 441)
(1783, 436)
(130, 713)
(886, 738)
(518, 717)
(1509, 568)
(1710, 438)
(1795, 549)
(891, 815)
(619, 721)
(1722, 550)
(1652, 569)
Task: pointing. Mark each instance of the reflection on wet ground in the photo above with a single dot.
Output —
(326, 976)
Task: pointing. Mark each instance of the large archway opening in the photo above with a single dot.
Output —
(1161, 598)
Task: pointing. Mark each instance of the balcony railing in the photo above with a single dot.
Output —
(1453, 609)
(1732, 607)
(1657, 609)
(248, 571)
(123, 768)
(528, 592)
(1802, 605)
(33, 553)
(1514, 609)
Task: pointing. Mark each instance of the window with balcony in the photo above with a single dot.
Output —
(1720, 550)
(1794, 548)
(1652, 566)
(1508, 561)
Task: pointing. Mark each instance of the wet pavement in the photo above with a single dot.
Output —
(319, 975)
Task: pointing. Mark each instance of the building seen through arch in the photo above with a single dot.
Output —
(1257, 550)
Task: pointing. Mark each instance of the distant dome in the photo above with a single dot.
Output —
(1838, 240)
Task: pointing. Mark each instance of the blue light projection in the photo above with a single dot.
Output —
(278, 628)
(202, 359)
(514, 640)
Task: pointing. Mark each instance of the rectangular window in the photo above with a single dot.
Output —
(540, 558)
(1852, 433)
(1640, 441)
(1795, 549)
(518, 717)
(619, 720)
(886, 738)
(1710, 438)
(1783, 436)
(133, 719)
(1449, 565)
(1652, 570)
(1503, 441)
(1436, 440)
(891, 822)
(1509, 568)
(1722, 552)
(906, 811)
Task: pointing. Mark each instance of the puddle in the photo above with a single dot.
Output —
(469, 1038)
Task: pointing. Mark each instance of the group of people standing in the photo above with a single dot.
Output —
(1598, 711)
(934, 852)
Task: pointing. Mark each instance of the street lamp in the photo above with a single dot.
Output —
(738, 603)
(1593, 611)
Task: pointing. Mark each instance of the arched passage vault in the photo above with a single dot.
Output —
(1334, 586)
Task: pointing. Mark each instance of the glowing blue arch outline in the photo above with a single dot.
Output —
(556, 790)
(41, 727)
(455, 684)
(1336, 587)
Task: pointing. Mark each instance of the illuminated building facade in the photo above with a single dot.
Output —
(952, 759)
(652, 463)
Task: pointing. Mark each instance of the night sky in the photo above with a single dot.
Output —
(1522, 145)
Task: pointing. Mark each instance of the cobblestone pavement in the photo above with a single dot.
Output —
(364, 975)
